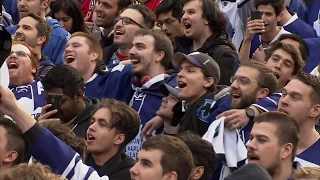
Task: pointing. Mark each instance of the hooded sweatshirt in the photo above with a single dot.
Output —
(55, 47)
(116, 168)
(83, 120)
(219, 46)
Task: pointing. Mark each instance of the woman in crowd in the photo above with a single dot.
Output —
(70, 16)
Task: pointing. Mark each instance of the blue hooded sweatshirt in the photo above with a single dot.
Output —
(59, 38)
(11, 8)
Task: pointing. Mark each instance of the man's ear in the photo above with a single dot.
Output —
(11, 157)
(79, 96)
(45, 4)
(315, 111)
(262, 93)
(208, 82)
(41, 40)
(198, 172)
(160, 56)
(171, 176)
(119, 139)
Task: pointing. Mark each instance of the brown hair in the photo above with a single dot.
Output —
(161, 43)
(124, 119)
(64, 133)
(176, 155)
(202, 152)
(149, 17)
(287, 128)
(266, 77)
(34, 58)
(289, 48)
(307, 173)
(25, 172)
(15, 139)
(43, 28)
(93, 44)
(313, 82)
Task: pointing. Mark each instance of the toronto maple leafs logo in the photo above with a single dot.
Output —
(203, 112)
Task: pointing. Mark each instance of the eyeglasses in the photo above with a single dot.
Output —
(167, 22)
(243, 80)
(127, 21)
(20, 54)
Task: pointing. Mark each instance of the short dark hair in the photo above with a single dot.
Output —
(266, 77)
(149, 18)
(211, 12)
(176, 155)
(124, 119)
(287, 128)
(161, 43)
(289, 48)
(15, 139)
(66, 135)
(170, 5)
(43, 28)
(65, 77)
(304, 49)
(202, 152)
(312, 81)
(71, 8)
(276, 4)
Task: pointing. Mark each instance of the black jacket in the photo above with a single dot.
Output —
(219, 46)
(104, 41)
(83, 120)
(116, 168)
(107, 54)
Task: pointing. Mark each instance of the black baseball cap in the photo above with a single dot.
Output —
(201, 60)
(166, 89)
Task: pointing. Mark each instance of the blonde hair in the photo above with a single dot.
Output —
(33, 171)
(306, 173)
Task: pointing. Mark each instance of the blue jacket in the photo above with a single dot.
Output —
(55, 48)
(11, 8)
(146, 101)
(117, 83)
(312, 13)
(301, 28)
(314, 54)
(299, 7)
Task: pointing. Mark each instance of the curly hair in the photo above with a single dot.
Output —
(64, 133)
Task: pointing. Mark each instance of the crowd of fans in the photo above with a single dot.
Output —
(160, 89)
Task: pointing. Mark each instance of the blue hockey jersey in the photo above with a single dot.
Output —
(311, 156)
(30, 97)
(146, 101)
(314, 54)
(297, 26)
(61, 158)
(266, 104)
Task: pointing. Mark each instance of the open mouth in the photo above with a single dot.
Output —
(135, 61)
(118, 32)
(69, 59)
(235, 96)
(12, 65)
(181, 84)
(90, 137)
(100, 15)
(252, 157)
(277, 75)
(187, 25)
